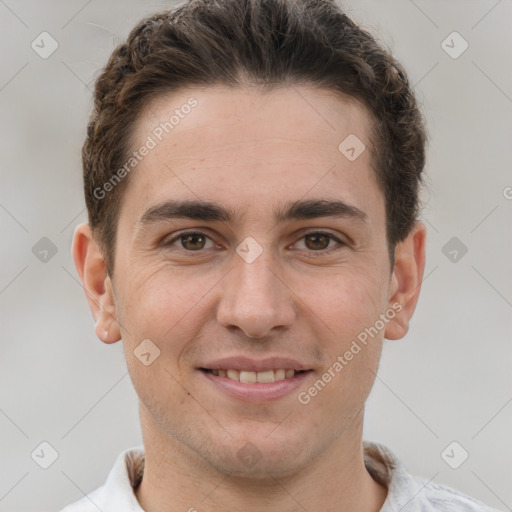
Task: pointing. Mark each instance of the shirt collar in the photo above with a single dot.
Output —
(119, 489)
(386, 469)
(124, 477)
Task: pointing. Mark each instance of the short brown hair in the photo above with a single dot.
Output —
(267, 43)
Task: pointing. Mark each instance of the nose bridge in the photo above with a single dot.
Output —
(256, 280)
(254, 298)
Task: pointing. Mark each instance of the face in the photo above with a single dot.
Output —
(283, 269)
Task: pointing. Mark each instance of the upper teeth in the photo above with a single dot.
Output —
(249, 377)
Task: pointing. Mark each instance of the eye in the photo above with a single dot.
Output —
(191, 241)
(314, 241)
(320, 241)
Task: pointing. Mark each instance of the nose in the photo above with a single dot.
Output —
(256, 298)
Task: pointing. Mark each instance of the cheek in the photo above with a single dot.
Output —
(353, 347)
(354, 314)
(166, 307)
(346, 302)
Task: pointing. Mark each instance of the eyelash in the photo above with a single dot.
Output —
(340, 243)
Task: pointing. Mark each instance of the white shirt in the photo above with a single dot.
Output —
(406, 493)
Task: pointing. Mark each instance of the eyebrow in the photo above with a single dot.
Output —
(208, 211)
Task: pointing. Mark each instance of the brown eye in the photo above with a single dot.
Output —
(317, 241)
(320, 242)
(193, 241)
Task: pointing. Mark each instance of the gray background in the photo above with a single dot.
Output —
(448, 380)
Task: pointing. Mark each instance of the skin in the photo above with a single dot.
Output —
(252, 152)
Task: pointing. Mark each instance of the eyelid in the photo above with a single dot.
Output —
(332, 236)
(176, 237)
(311, 231)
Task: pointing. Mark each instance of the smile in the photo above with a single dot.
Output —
(256, 386)
(249, 377)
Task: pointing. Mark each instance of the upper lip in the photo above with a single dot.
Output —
(254, 365)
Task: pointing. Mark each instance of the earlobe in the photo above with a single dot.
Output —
(91, 268)
(406, 281)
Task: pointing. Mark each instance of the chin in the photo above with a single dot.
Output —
(260, 455)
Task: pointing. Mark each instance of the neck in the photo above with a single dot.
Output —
(176, 479)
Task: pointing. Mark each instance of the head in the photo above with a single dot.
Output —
(302, 140)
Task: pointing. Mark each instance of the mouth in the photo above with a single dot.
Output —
(249, 377)
(255, 386)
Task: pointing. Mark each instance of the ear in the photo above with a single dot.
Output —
(92, 269)
(406, 281)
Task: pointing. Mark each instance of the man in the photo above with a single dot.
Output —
(251, 173)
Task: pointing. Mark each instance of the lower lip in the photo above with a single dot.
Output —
(257, 391)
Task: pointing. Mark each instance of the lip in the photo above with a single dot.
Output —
(254, 365)
(258, 391)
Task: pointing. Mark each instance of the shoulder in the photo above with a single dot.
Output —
(409, 493)
(117, 493)
(442, 498)
(88, 503)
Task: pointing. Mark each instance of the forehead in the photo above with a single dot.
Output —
(246, 114)
(235, 143)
